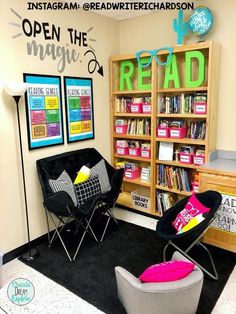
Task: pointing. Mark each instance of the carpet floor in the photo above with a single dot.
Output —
(91, 276)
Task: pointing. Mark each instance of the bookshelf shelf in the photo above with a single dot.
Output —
(137, 181)
(164, 188)
(182, 116)
(182, 90)
(128, 157)
(176, 164)
(133, 115)
(132, 92)
(153, 81)
(132, 136)
(181, 140)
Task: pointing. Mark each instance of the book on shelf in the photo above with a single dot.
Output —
(197, 130)
(164, 201)
(166, 151)
(146, 174)
(121, 122)
(123, 104)
(139, 127)
(176, 178)
(177, 104)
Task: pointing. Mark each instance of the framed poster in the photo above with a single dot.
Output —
(44, 110)
(79, 108)
(226, 214)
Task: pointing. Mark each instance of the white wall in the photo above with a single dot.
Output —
(14, 61)
(155, 30)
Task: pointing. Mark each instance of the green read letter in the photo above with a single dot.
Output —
(126, 74)
(142, 74)
(189, 56)
(171, 73)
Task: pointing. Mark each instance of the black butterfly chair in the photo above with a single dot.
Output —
(185, 241)
(60, 203)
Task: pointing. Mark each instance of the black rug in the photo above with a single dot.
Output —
(92, 276)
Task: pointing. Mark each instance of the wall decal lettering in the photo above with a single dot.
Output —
(63, 55)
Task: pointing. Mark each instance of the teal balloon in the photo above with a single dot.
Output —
(201, 21)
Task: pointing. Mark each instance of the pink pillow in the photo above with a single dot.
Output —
(167, 271)
(191, 209)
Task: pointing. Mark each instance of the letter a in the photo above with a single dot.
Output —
(171, 73)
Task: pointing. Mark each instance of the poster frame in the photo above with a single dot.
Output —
(47, 80)
(79, 137)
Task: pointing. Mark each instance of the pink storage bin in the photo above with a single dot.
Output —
(122, 150)
(198, 160)
(185, 158)
(137, 108)
(147, 108)
(195, 186)
(135, 151)
(132, 174)
(121, 129)
(200, 107)
(146, 153)
(178, 132)
(163, 132)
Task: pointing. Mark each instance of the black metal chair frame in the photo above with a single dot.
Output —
(62, 222)
(61, 205)
(185, 251)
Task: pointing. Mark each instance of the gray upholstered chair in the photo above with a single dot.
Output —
(175, 297)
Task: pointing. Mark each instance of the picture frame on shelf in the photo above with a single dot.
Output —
(79, 108)
(43, 110)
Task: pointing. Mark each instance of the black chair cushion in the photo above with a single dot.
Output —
(165, 229)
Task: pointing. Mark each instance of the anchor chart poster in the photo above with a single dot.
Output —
(79, 108)
(44, 110)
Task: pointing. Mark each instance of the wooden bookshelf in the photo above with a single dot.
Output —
(154, 80)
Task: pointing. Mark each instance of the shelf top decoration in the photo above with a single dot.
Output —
(180, 27)
(201, 21)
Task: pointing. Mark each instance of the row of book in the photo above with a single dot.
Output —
(197, 130)
(174, 178)
(183, 103)
(123, 104)
(165, 200)
(139, 126)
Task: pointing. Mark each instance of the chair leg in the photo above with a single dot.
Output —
(46, 213)
(213, 276)
(105, 229)
(85, 231)
(54, 236)
(92, 232)
(110, 216)
(58, 234)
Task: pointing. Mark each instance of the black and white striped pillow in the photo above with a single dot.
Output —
(63, 183)
(87, 189)
(101, 170)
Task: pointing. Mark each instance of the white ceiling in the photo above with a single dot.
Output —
(118, 14)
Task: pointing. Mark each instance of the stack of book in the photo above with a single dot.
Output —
(123, 104)
(197, 130)
(174, 178)
(146, 174)
(177, 104)
(139, 126)
(165, 200)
